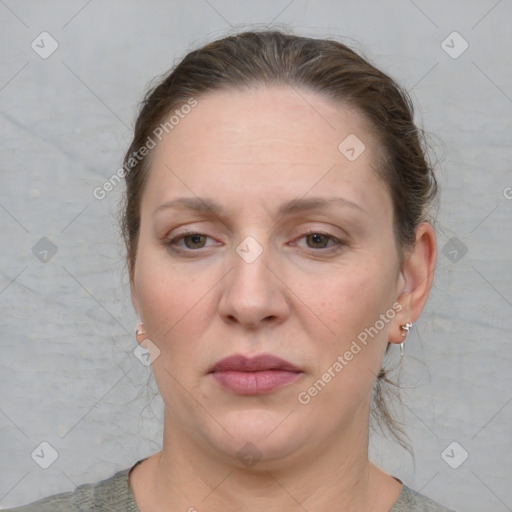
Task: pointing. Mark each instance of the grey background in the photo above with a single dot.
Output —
(68, 374)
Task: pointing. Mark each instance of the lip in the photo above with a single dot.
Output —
(241, 363)
(256, 375)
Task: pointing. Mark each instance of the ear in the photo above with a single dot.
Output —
(416, 277)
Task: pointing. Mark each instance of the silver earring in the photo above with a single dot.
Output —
(406, 327)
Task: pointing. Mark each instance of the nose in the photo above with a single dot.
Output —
(254, 295)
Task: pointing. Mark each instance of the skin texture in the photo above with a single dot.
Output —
(304, 299)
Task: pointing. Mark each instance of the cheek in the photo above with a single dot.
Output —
(174, 305)
(351, 306)
(176, 308)
(350, 299)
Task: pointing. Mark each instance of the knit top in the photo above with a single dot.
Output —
(115, 495)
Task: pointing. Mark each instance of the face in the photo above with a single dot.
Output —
(260, 237)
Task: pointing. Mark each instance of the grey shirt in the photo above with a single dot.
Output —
(114, 495)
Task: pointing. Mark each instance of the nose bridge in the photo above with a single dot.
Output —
(250, 250)
(252, 293)
(250, 273)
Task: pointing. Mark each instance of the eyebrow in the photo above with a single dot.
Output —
(299, 205)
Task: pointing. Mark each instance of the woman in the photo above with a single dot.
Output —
(278, 243)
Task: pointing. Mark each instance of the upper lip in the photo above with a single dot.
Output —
(241, 363)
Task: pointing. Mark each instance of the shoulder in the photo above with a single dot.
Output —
(112, 494)
(412, 501)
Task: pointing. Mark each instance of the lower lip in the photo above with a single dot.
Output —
(255, 383)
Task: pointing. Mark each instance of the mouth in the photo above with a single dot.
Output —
(256, 375)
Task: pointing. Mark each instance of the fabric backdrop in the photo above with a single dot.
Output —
(71, 77)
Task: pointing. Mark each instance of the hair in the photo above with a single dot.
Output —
(328, 68)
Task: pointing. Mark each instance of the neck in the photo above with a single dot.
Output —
(336, 475)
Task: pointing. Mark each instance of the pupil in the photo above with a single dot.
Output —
(195, 240)
(316, 238)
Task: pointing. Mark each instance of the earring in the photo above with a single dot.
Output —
(406, 327)
(139, 332)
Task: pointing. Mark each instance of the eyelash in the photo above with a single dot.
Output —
(338, 244)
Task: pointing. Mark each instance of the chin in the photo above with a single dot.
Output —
(259, 438)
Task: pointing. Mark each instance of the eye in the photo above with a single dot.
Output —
(319, 240)
(190, 240)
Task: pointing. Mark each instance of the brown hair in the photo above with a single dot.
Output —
(326, 67)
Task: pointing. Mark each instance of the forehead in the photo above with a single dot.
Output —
(278, 118)
(269, 141)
